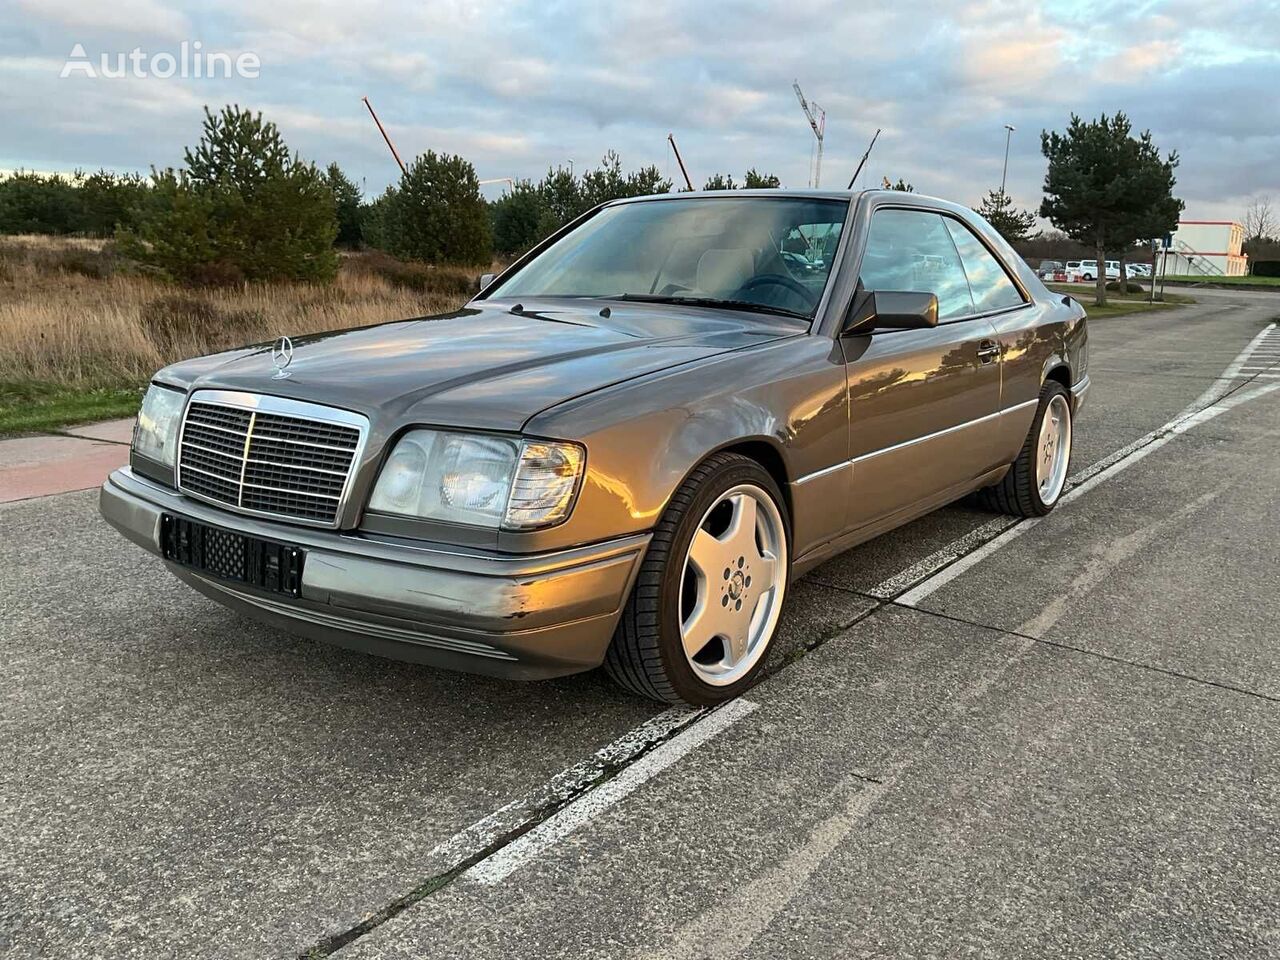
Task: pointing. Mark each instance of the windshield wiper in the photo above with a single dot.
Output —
(710, 302)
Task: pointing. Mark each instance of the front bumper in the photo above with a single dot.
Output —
(1079, 390)
(526, 616)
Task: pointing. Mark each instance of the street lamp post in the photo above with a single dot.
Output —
(1007, 137)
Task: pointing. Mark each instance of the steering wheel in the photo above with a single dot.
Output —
(778, 280)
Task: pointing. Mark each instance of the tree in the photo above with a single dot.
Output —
(1260, 222)
(377, 220)
(1011, 223)
(439, 214)
(901, 185)
(720, 181)
(242, 207)
(1105, 187)
(760, 181)
(515, 217)
(530, 212)
(346, 204)
(31, 203)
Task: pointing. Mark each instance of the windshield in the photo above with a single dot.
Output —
(749, 252)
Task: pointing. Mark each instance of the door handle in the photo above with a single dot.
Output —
(988, 351)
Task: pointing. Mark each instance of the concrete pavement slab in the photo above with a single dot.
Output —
(1173, 563)
(916, 788)
(178, 779)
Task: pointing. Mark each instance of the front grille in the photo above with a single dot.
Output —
(258, 460)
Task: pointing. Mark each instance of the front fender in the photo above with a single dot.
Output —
(644, 437)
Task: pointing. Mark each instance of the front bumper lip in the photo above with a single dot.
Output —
(512, 615)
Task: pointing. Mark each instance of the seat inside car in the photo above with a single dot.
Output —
(723, 270)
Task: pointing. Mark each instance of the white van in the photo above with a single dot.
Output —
(1088, 270)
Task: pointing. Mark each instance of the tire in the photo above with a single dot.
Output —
(686, 591)
(1023, 492)
(1088, 277)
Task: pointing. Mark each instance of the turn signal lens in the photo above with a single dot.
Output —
(545, 486)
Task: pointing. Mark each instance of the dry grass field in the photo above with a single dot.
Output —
(81, 331)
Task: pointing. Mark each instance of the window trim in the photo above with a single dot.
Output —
(872, 206)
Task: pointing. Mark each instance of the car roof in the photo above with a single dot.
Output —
(898, 197)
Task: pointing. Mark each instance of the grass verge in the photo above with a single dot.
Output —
(1217, 281)
(1118, 304)
(31, 407)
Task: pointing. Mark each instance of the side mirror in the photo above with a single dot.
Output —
(892, 309)
(486, 279)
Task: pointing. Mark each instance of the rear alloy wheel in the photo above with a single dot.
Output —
(706, 604)
(1035, 482)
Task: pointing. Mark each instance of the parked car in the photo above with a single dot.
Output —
(625, 448)
(1048, 268)
(1138, 269)
(1087, 270)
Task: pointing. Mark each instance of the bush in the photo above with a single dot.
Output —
(1266, 268)
(1129, 287)
(243, 206)
(438, 215)
(530, 212)
(96, 264)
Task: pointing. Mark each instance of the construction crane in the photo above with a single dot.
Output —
(864, 158)
(680, 160)
(817, 118)
(383, 131)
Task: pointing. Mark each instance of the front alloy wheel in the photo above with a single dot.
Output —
(706, 603)
(732, 586)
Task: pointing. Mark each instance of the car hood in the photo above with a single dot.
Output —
(485, 366)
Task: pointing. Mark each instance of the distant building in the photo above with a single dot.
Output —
(1207, 248)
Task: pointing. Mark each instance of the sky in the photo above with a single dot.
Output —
(518, 87)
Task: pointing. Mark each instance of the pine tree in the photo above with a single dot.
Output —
(346, 204)
(243, 207)
(440, 216)
(754, 180)
(1010, 222)
(1106, 187)
(720, 181)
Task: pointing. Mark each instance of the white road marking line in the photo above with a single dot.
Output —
(1223, 385)
(564, 785)
(1172, 429)
(513, 856)
(890, 588)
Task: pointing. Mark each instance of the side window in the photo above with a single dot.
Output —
(911, 250)
(991, 287)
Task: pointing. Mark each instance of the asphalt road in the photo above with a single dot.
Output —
(1067, 742)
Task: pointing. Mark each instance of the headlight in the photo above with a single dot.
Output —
(156, 434)
(480, 480)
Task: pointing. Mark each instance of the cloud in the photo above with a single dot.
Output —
(518, 86)
(147, 18)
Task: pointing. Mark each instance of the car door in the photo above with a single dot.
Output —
(1025, 343)
(918, 399)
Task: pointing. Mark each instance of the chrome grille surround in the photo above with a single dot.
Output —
(269, 456)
